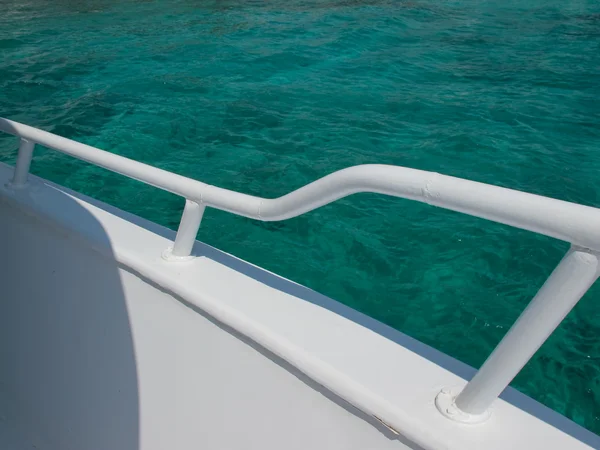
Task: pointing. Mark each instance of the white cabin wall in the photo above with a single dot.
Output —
(66, 351)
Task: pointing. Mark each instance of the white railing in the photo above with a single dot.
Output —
(577, 224)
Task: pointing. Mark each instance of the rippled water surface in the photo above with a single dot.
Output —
(264, 97)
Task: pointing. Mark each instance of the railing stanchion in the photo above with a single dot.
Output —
(188, 229)
(569, 281)
(23, 162)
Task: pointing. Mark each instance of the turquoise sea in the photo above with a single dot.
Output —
(266, 96)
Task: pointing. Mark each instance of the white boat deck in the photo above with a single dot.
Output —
(225, 354)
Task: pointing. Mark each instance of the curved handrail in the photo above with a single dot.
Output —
(567, 221)
(571, 222)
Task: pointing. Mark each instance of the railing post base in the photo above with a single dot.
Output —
(168, 255)
(445, 403)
